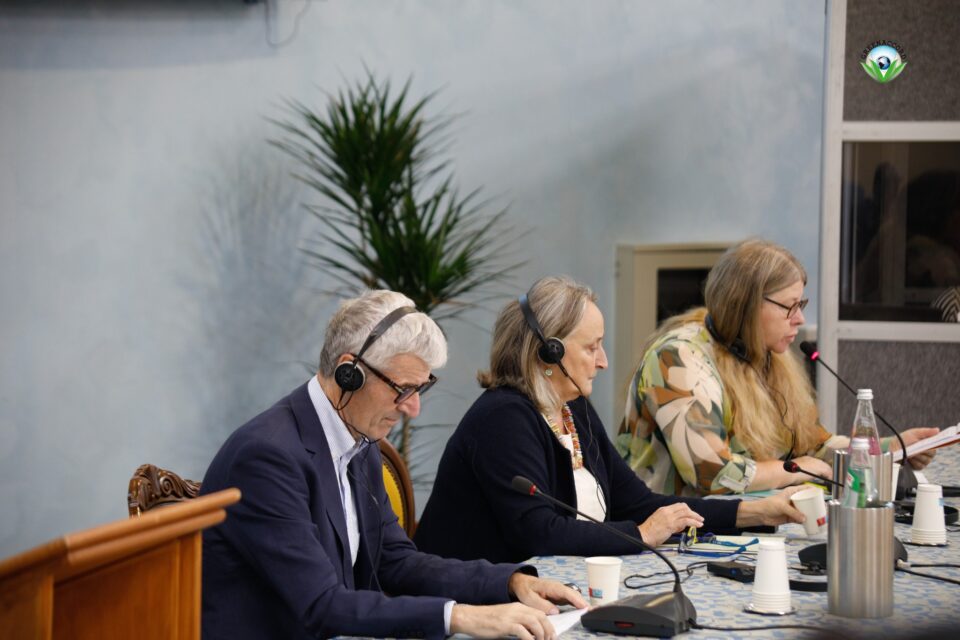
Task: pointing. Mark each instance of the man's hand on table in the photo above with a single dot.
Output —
(543, 595)
(526, 619)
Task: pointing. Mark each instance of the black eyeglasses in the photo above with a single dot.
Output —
(800, 305)
(403, 393)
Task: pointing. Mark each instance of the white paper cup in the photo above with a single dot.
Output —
(603, 579)
(928, 524)
(771, 585)
(895, 477)
(811, 503)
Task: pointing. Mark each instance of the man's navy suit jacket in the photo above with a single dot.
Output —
(279, 566)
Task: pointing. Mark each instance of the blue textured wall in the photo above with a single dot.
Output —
(152, 297)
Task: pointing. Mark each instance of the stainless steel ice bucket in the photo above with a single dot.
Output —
(860, 560)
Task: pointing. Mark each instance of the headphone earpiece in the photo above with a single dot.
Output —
(737, 348)
(348, 376)
(551, 350)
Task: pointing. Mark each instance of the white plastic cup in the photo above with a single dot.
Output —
(895, 477)
(928, 524)
(811, 503)
(771, 585)
(603, 579)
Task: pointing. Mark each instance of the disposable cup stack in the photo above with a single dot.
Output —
(928, 524)
(771, 585)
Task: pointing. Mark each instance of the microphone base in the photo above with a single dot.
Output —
(661, 615)
(906, 482)
(816, 554)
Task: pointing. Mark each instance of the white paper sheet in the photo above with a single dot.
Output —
(564, 621)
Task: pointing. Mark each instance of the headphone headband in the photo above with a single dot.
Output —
(551, 350)
(530, 317)
(381, 327)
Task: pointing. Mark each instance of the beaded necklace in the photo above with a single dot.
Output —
(576, 454)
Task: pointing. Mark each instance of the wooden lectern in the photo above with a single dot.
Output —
(134, 578)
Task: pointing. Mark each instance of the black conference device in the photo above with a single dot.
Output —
(816, 554)
(642, 615)
(661, 615)
(734, 570)
(745, 573)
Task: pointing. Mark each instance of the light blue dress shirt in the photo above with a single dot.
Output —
(342, 449)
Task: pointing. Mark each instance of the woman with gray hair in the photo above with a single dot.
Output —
(534, 420)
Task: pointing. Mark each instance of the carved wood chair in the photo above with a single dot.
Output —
(396, 480)
(152, 487)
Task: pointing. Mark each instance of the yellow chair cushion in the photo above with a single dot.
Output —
(392, 486)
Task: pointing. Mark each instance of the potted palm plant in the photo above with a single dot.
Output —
(392, 216)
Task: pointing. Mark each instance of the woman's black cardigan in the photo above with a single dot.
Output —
(474, 512)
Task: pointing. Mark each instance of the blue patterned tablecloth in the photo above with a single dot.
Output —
(919, 603)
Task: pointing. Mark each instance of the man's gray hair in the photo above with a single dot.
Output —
(414, 333)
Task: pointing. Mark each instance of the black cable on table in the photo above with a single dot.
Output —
(927, 575)
(689, 569)
(697, 625)
(905, 567)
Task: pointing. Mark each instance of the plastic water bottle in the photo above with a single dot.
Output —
(864, 423)
(861, 487)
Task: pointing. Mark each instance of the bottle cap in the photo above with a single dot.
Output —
(864, 394)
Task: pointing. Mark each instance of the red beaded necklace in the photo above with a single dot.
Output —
(576, 454)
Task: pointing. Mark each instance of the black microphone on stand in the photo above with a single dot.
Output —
(660, 615)
(793, 467)
(907, 482)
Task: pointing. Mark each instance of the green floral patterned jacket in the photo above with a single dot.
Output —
(677, 434)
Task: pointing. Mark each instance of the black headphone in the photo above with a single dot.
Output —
(551, 350)
(348, 375)
(738, 348)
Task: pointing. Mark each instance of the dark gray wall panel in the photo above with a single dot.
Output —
(929, 87)
(914, 383)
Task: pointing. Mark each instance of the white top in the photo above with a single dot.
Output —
(589, 496)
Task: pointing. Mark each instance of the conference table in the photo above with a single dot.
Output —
(920, 604)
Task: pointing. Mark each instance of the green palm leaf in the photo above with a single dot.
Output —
(391, 214)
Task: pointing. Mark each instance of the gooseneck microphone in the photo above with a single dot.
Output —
(810, 350)
(660, 615)
(907, 480)
(793, 467)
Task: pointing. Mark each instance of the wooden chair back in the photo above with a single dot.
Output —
(152, 487)
(396, 480)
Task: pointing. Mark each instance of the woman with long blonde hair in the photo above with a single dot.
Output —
(719, 400)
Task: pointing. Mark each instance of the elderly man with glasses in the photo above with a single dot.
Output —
(314, 546)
